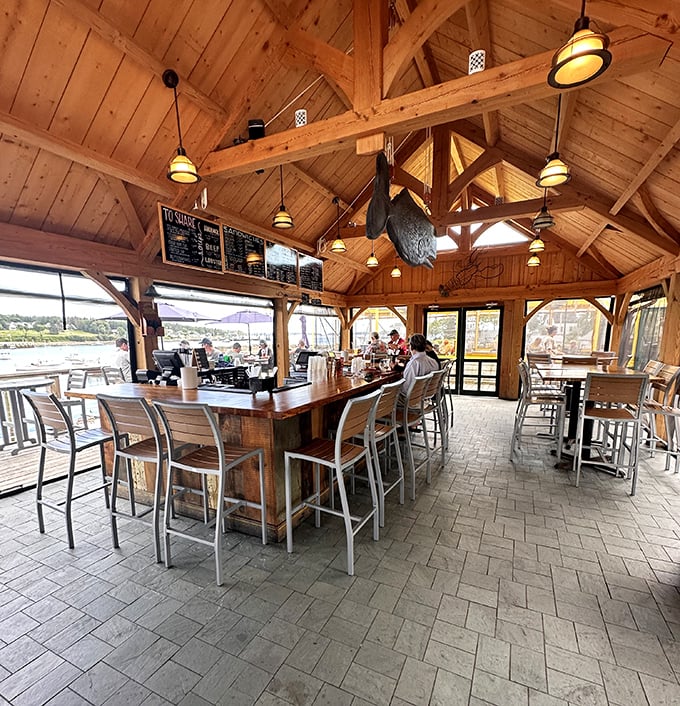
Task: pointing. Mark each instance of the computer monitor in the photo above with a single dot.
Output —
(201, 358)
(168, 362)
(302, 360)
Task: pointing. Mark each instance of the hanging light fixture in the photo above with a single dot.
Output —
(372, 259)
(396, 272)
(544, 218)
(555, 172)
(536, 245)
(338, 245)
(254, 258)
(282, 219)
(181, 169)
(584, 57)
(534, 261)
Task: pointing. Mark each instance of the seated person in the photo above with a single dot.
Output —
(264, 354)
(432, 353)
(212, 354)
(396, 345)
(375, 345)
(184, 347)
(420, 363)
(236, 353)
(301, 346)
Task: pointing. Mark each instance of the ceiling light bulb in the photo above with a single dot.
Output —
(338, 246)
(282, 219)
(536, 245)
(372, 260)
(534, 261)
(555, 172)
(182, 170)
(396, 272)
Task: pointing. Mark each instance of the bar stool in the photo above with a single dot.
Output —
(195, 424)
(112, 375)
(386, 431)
(411, 411)
(134, 417)
(357, 419)
(433, 412)
(50, 414)
(77, 380)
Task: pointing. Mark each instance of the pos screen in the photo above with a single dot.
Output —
(168, 362)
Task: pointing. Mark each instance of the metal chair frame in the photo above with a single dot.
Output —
(412, 415)
(112, 375)
(77, 380)
(338, 456)
(51, 414)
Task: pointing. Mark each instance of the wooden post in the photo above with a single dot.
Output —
(281, 354)
(511, 348)
(144, 345)
(669, 350)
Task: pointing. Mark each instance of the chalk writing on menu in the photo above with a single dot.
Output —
(281, 263)
(190, 241)
(243, 252)
(311, 272)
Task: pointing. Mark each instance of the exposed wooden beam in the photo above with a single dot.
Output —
(649, 275)
(427, 68)
(120, 194)
(369, 19)
(416, 30)
(457, 155)
(130, 309)
(477, 13)
(518, 82)
(486, 160)
(441, 169)
(307, 51)
(402, 178)
(566, 118)
(108, 31)
(315, 184)
(591, 239)
(649, 210)
(667, 144)
(509, 211)
(75, 152)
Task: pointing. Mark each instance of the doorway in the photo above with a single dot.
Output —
(470, 338)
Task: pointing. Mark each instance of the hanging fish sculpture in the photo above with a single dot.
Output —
(408, 227)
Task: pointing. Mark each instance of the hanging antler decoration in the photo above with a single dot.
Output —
(471, 270)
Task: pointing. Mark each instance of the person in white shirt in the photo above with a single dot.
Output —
(122, 360)
(420, 363)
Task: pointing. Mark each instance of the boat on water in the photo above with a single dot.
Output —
(5, 355)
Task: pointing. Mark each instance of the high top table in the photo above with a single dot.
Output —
(276, 422)
(12, 412)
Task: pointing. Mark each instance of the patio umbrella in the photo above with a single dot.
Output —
(247, 317)
(168, 312)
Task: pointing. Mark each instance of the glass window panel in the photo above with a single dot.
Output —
(489, 369)
(500, 234)
(470, 368)
(442, 330)
(380, 319)
(470, 384)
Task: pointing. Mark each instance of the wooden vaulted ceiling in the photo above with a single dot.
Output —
(87, 128)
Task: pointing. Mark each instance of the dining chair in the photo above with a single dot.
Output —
(136, 438)
(579, 360)
(660, 395)
(411, 417)
(548, 417)
(195, 424)
(62, 438)
(615, 403)
(339, 456)
(433, 414)
(77, 380)
(112, 375)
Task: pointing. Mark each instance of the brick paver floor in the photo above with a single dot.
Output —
(501, 584)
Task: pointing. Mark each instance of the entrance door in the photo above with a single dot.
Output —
(470, 338)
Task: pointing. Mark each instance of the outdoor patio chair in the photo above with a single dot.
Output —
(112, 375)
(412, 419)
(64, 439)
(77, 380)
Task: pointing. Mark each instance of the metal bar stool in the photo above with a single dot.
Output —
(77, 380)
(411, 411)
(433, 412)
(338, 456)
(195, 424)
(112, 375)
(136, 437)
(50, 414)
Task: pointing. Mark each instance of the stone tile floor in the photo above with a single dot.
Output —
(501, 584)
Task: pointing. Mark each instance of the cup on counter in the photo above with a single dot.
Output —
(189, 377)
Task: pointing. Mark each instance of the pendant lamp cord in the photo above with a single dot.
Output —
(63, 303)
(179, 129)
(281, 182)
(557, 121)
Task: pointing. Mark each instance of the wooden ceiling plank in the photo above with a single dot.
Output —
(486, 160)
(121, 195)
(427, 68)
(315, 184)
(416, 30)
(648, 167)
(645, 203)
(591, 239)
(106, 29)
(518, 82)
(75, 152)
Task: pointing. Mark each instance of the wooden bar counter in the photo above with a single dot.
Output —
(277, 422)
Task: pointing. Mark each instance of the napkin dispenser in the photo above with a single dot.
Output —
(262, 384)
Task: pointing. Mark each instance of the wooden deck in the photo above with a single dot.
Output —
(20, 472)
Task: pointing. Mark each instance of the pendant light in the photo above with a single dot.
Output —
(338, 245)
(544, 218)
(555, 172)
(584, 57)
(282, 219)
(536, 245)
(396, 272)
(534, 261)
(181, 169)
(372, 259)
(254, 258)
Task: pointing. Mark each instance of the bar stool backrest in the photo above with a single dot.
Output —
(358, 414)
(416, 393)
(606, 389)
(533, 358)
(387, 404)
(49, 414)
(189, 424)
(130, 415)
(652, 367)
(77, 379)
(435, 385)
(112, 375)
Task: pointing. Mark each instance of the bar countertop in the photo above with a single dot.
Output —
(278, 405)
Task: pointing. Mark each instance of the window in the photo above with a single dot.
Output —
(317, 326)
(380, 319)
(642, 328)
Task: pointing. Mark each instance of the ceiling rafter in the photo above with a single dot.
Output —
(517, 82)
(120, 193)
(641, 176)
(567, 111)
(425, 19)
(486, 160)
(591, 239)
(315, 184)
(424, 61)
(645, 203)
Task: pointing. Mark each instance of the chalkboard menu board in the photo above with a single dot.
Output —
(281, 263)
(311, 272)
(243, 253)
(190, 241)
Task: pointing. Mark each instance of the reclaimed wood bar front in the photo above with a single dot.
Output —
(276, 422)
